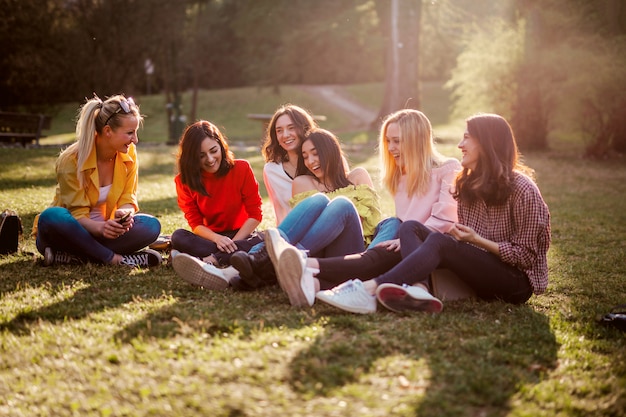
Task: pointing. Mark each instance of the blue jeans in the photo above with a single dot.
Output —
(322, 226)
(424, 250)
(59, 230)
(385, 230)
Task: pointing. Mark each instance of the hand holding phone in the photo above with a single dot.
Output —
(124, 218)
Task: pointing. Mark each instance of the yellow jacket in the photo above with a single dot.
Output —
(79, 201)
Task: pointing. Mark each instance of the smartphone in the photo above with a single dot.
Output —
(124, 218)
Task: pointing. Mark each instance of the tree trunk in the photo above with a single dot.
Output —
(401, 23)
(529, 120)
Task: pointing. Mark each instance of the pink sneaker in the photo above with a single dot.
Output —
(407, 298)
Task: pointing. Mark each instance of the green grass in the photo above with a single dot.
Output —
(105, 341)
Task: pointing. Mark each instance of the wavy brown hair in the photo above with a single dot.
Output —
(188, 157)
(499, 160)
(302, 120)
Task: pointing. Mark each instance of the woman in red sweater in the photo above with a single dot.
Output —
(219, 197)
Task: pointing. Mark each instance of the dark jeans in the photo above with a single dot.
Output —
(188, 242)
(365, 265)
(58, 229)
(423, 251)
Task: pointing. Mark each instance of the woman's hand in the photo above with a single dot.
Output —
(112, 229)
(125, 218)
(463, 233)
(225, 244)
(390, 245)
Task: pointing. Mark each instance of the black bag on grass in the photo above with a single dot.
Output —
(10, 232)
(616, 318)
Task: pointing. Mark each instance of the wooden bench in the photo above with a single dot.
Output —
(22, 127)
(266, 117)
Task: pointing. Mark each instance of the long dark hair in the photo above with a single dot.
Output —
(492, 179)
(302, 120)
(331, 158)
(188, 158)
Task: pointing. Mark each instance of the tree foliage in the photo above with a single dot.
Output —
(484, 77)
(546, 65)
(556, 65)
(58, 49)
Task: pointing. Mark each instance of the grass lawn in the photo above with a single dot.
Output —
(106, 341)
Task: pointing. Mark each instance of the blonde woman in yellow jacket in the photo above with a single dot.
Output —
(93, 216)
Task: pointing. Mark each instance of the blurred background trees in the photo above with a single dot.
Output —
(546, 65)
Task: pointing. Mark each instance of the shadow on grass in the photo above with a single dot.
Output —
(99, 288)
(213, 313)
(462, 358)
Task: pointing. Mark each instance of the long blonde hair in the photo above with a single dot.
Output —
(419, 155)
(92, 117)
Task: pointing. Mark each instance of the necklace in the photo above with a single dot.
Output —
(106, 159)
(291, 166)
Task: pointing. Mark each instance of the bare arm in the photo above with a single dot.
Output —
(303, 183)
(360, 176)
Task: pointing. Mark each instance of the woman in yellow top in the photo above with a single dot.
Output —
(94, 213)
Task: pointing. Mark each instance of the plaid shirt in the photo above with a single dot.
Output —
(521, 227)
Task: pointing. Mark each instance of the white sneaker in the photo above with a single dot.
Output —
(229, 272)
(275, 244)
(407, 298)
(196, 272)
(295, 278)
(350, 296)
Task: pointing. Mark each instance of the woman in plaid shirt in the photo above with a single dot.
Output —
(498, 247)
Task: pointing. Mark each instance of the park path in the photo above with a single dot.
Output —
(361, 117)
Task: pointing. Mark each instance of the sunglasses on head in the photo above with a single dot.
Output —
(125, 105)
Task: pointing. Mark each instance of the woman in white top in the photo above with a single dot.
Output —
(284, 134)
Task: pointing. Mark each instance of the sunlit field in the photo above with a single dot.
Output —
(106, 341)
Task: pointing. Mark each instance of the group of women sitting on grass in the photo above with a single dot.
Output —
(483, 218)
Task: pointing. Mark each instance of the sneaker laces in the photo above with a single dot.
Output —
(64, 258)
(347, 288)
(138, 259)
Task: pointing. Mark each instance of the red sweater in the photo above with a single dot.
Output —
(232, 199)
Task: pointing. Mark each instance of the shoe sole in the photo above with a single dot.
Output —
(322, 297)
(192, 272)
(289, 275)
(273, 247)
(400, 301)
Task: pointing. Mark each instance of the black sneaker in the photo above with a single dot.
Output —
(242, 263)
(255, 269)
(52, 257)
(142, 259)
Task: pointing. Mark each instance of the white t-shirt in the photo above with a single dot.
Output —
(98, 211)
(278, 185)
